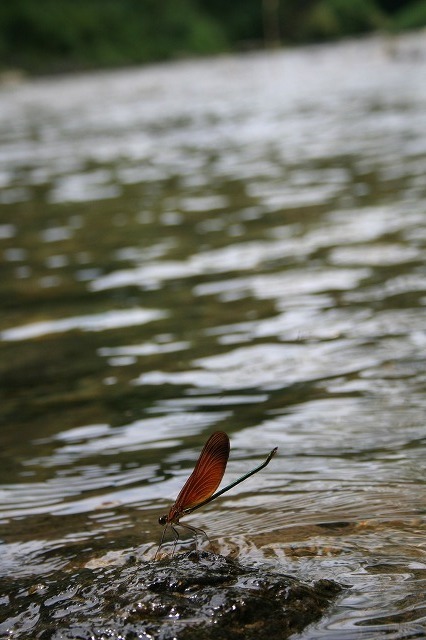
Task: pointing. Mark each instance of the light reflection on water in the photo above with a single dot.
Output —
(232, 244)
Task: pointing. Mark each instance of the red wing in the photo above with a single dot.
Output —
(208, 472)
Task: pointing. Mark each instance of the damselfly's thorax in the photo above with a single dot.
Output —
(172, 517)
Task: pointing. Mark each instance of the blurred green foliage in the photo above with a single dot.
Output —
(335, 18)
(411, 16)
(59, 35)
(55, 35)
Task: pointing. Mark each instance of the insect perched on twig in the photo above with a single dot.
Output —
(201, 485)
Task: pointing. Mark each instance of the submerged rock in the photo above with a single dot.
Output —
(191, 596)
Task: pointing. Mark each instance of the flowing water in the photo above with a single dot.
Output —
(234, 244)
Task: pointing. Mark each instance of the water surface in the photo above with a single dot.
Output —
(234, 244)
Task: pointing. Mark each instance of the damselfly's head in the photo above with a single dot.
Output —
(162, 520)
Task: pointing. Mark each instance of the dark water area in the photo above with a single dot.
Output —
(232, 244)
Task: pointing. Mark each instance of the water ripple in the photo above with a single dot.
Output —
(97, 322)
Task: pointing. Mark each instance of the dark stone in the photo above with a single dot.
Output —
(195, 595)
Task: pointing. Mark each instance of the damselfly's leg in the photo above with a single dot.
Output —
(161, 541)
(196, 531)
(176, 537)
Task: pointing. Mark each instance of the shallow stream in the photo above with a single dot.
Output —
(231, 244)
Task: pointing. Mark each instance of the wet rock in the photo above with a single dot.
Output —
(191, 596)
